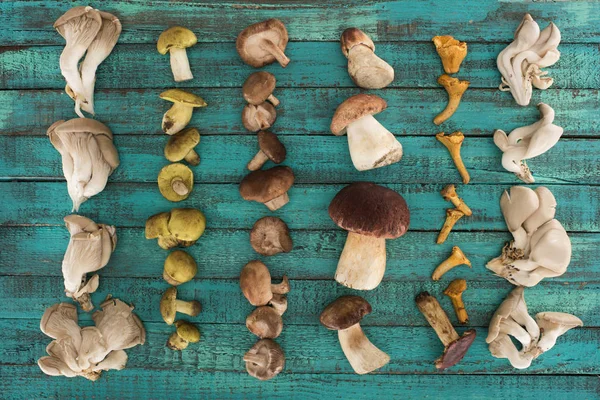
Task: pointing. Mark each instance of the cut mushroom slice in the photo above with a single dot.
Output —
(175, 182)
(258, 117)
(366, 69)
(259, 88)
(270, 236)
(270, 148)
(269, 187)
(263, 43)
(180, 114)
(175, 40)
(264, 360)
(255, 282)
(451, 51)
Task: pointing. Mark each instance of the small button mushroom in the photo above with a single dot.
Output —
(455, 89)
(179, 227)
(180, 114)
(170, 306)
(255, 282)
(453, 142)
(179, 268)
(451, 51)
(175, 40)
(265, 322)
(371, 145)
(366, 69)
(263, 43)
(344, 315)
(264, 360)
(259, 88)
(270, 149)
(185, 334)
(181, 146)
(270, 236)
(175, 182)
(259, 117)
(456, 258)
(269, 187)
(371, 214)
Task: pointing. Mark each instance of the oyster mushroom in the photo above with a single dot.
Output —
(255, 282)
(371, 214)
(259, 88)
(451, 51)
(181, 146)
(449, 194)
(455, 290)
(264, 360)
(344, 315)
(269, 187)
(453, 142)
(366, 69)
(371, 145)
(178, 227)
(180, 114)
(503, 347)
(552, 325)
(270, 149)
(258, 117)
(170, 305)
(263, 43)
(175, 40)
(175, 182)
(270, 236)
(455, 89)
(456, 258)
(179, 268)
(265, 322)
(184, 334)
(119, 326)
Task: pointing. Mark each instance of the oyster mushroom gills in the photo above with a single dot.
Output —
(258, 117)
(181, 146)
(88, 156)
(175, 41)
(89, 250)
(170, 305)
(540, 247)
(180, 114)
(178, 227)
(179, 268)
(455, 89)
(344, 315)
(453, 142)
(269, 186)
(255, 282)
(259, 88)
(451, 51)
(456, 258)
(264, 360)
(263, 43)
(371, 145)
(366, 69)
(270, 148)
(270, 236)
(175, 182)
(528, 142)
(455, 346)
(521, 62)
(185, 333)
(371, 214)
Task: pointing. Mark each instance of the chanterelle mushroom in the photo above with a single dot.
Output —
(180, 114)
(371, 145)
(259, 87)
(269, 186)
(455, 290)
(175, 182)
(258, 117)
(264, 360)
(451, 51)
(88, 156)
(453, 142)
(366, 69)
(175, 40)
(270, 148)
(179, 268)
(344, 315)
(270, 236)
(170, 305)
(179, 227)
(456, 258)
(371, 214)
(255, 282)
(263, 43)
(181, 146)
(528, 142)
(455, 89)
(185, 334)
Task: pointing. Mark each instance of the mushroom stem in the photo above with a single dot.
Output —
(256, 358)
(269, 46)
(452, 216)
(273, 100)
(192, 157)
(453, 143)
(455, 89)
(257, 161)
(179, 186)
(437, 318)
(456, 258)
(449, 194)
(371, 145)
(278, 202)
(176, 118)
(279, 303)
(362, 263)
(180, 65)
(363, 356)
(191, 308)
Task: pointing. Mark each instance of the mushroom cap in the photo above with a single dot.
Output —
(510, 303)
(258, 87)
(456, 350)
(275, 360)
(168, 307)
(255, 282)
(354, 108)
(265, 185)
(177, 37)
(76, 12)
(187, 224)
(179, 268)
(251, 112)
(157, 225)
(183, 97)
(175, 171)
(270, 236)
(248, 42)
(344, 312)
(270, 145)
(354, 36)
(265, 322)
(370, 210)
(559, 318)
(181, 143)
(188, 332)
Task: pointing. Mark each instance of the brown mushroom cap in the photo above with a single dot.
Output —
(176, 36)
(265, 185)
(456, 350)
(344, 312)
(354, 36)
(181, 143)
(370, 210)
(248, 42)
(275, 359)
(179, 173)
(270, 145)
(354, 108)
(258, 87)
(255, 282)
(265, 322)
(259, 117)
(270, 236)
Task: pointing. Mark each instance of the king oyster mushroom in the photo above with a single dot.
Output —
(366, 69)
(263, 43)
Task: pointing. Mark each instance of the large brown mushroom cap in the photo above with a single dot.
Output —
(248, 43)
(265, 185)
(255, 282)
(344, 312)
(456, 350)
(258, 87)
(270, 145)
(370, 210)
(270, 236)
(354, 108)
(352, 37)
(176, 36)
(271, 356)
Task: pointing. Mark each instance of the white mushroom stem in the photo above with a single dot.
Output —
(363, 356)
(371, 145)
(180, 65)
(362, 263)
(179, 186)
(367, 69)
(282, 59)
(273, 100)
(256, 358)
(278, 202)
(257, 161)
(186, 307)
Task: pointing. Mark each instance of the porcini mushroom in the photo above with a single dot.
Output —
(455, 89)
(179, 227)
(170, 306)
(453, 142)
(270, 149)
(255, 282)
(270, 236)
(175, 40)
(263, 43)
(258, 117)
(371, 214)
(269, 187)
(455, 290)
(259, 88)
(180, 114)
(344, 315)
(451, 51)
(449, 194)
(366, 69)
(457, 257)
(264, 360)
(175, 182)
(265, 322)
(184, 334)
(181, 146)
(179, 268)
(455, 346)
(371, 145)
(452, 216)
(552, 325)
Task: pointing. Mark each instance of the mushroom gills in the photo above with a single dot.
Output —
(362, 263)
(371, 145)
(364, 356)
(180, 64)
(367, 69)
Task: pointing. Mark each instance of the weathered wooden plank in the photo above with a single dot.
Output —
(31, 21)
(411, 349)
(130, 204)
(27, 297)
(218, 65)
(39, 250)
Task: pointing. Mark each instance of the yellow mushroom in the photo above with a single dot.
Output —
(175, 182)
(180, 114)
(453, 143)
(455, 89)
(455, 290)
(457, 257)
(179, 227)
(175, 40)
(181, 146)
(179, 268)
(452, 215)
(449, 194)
(451, 51)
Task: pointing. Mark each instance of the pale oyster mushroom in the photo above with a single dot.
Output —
(528, 142)
(553, 325)
(521, 62)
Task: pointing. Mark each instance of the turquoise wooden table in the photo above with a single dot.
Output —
(34, 197)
